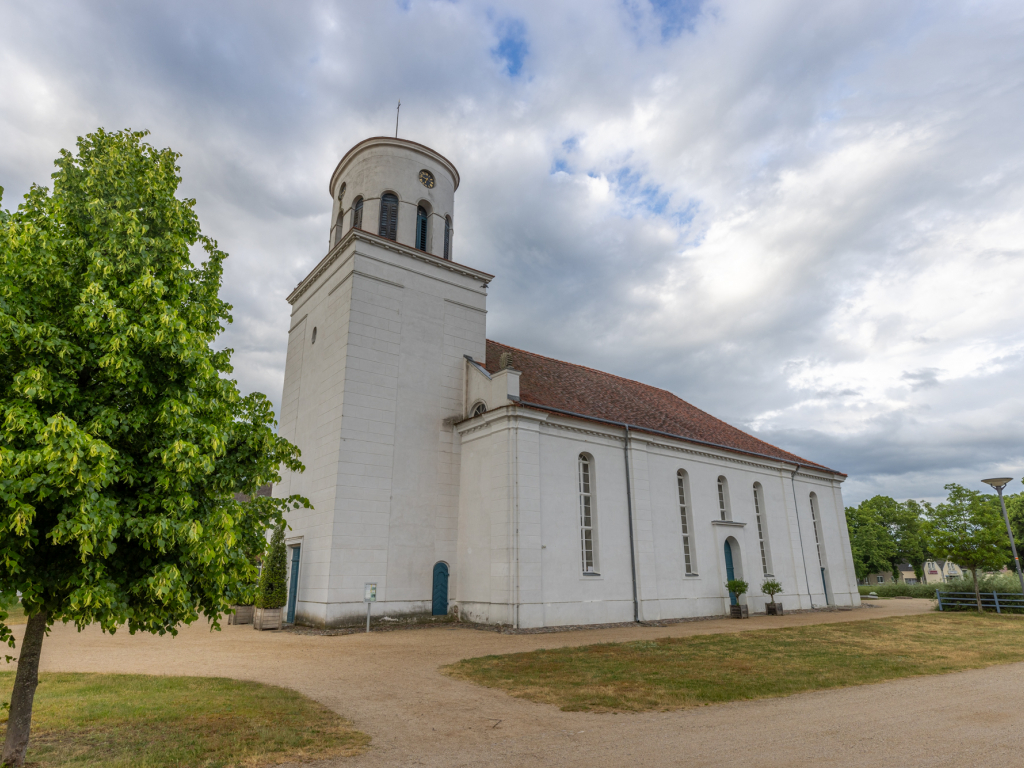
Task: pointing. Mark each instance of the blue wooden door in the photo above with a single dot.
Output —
(730, 571)
(440, 590)
(293, 585)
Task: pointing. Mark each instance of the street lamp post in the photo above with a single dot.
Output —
(999, 483)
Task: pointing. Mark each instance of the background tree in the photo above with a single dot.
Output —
(1015, 511)
(122, 442)
(968, 529)
(870, 541)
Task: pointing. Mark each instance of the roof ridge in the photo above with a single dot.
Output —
(594, 370)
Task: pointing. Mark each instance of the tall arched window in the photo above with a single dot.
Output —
(724, 508)
(762, 531)
(448, 238)
(421, 227)
(357, 213)
(817, 532)
(388, 216)
(586, 513)
(339, 224)
(684, 518)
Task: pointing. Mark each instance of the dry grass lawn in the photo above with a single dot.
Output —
(144, 721)
(14, 615)
(673, 673)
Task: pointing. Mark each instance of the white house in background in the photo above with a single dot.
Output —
(453, 471)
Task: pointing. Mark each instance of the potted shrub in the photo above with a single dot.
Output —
(739, 588)
(271, 597)
(771, 588)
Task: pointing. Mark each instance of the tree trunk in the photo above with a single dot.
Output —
(977, 592)
(25, 681)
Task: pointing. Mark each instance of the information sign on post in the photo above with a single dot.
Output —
(369, 596)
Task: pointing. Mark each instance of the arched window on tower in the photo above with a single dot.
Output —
(448, 238)
(388, 216)
(339, 224)
(421, 227)
(357, 213)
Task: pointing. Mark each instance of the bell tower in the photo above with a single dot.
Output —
(374, 377)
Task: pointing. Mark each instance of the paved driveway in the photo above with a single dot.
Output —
(388, 684)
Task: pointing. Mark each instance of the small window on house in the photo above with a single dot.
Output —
(357, 213)
(724, 509)
(448, 238)
(388, 216)
(761, 528)
(880, 579)
(684, 519)
(421, 227)
(586, 513)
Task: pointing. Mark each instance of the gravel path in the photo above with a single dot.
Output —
(388, 684)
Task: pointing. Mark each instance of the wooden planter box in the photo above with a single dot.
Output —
(242, 614)
(739, 612)
(773, 609)
(268, 618)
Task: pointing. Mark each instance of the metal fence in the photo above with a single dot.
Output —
(1001, 601)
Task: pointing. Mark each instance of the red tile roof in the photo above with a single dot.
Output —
(554, 384)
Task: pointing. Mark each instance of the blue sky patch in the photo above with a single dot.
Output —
(512, 46)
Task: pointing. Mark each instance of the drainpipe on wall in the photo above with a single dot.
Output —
(799, 530)
(629, 513)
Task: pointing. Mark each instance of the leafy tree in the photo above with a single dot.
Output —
(870, 541)
(273, 577)
(1015, 511)
(122, 442)
(968, 529)
(887, 533)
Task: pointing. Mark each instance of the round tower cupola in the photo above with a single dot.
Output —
(398, 190)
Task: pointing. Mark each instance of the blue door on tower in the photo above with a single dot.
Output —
(293, 585)
(730, 572)
(440, 590)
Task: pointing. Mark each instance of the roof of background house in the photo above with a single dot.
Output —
(555, 384)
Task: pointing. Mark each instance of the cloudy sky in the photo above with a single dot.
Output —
(802, 217)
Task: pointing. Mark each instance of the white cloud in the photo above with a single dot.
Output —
(803, 217)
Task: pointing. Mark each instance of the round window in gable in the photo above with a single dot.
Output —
(312, 339)
(479, 409)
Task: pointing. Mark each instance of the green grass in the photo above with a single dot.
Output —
(674, 673)
(145, 721)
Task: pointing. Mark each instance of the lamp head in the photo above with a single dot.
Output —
(998, 482)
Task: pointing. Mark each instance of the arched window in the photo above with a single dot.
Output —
(421, 227)
(762, 531)
(586, 513)
(448, 238)
(684, 517)
(724, 508)
(479, 409)
(388, 216)
(817, 532)
(357, 213)
(341, 196)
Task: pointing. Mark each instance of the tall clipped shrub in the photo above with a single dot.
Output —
(272, 593)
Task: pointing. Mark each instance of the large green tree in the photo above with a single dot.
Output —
(968, 529)
(885, 533)
(122, 441)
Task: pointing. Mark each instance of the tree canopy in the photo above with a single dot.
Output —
(885, 533)
(968, 529)
(122, 439)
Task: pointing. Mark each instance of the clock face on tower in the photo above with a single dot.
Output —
(427, 179)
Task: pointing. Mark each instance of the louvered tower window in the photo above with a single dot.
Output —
(586, 515)
(448, 238)
(357, 213)
(388, 216)
(684, 517)
(421, 228)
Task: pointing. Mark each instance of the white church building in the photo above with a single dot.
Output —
(457, 473)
